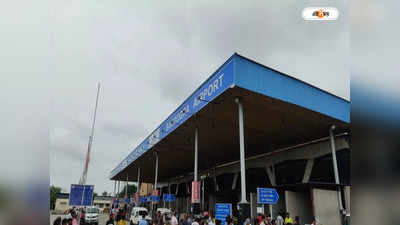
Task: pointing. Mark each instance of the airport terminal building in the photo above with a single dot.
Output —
(249, 126)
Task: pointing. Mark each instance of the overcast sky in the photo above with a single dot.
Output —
(149, 56)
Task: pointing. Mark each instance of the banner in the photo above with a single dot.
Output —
(195, 192)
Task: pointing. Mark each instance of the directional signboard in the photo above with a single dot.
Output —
(142, 199)
(267, 196)
(154, 198)
(81, 195)
(223, 210)
(169, 197)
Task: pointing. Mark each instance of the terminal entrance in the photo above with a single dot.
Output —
(256, 127)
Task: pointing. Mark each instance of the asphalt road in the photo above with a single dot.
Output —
(102, 218)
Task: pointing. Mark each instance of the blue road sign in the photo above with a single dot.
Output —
(267, 196)
(169, 197)
(81, 195)
(154, 198)
(142, 199)
(223, 210)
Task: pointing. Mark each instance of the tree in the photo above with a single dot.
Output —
(131, 191)
(104, 193)
(95, 194)
(53, 192)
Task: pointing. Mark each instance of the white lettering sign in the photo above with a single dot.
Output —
(208, 91)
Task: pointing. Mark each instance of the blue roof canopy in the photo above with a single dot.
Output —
(242, 72)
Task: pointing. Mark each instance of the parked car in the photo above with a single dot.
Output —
(92, 215)
(137, 213)
(164, 210)
(167, 212)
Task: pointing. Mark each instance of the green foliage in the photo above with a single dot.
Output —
(53, 192)
(131, 191)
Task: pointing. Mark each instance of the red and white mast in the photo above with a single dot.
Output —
(85, 170)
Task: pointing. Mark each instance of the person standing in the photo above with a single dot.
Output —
(279, 219)
(196, 221)
(296, 220)
(247, 222)
(229, 220)
(268, 219)
(110, 220)
(184, 221)
(64, 221)
(262, 220)
(74, 220)
(159, 220)
(212, 220)
(82, 217)
(143, 221)
(288, 219)
(174, 220)
(57, 221)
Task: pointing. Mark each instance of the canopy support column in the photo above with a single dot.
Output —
(196, 196)
(244, 206)
(115, 187)
(155, 182)
(335, 168)
(126, 189)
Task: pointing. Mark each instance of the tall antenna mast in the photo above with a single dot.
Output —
(85, 170)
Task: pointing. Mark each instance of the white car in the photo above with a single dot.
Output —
(167, 212)
(92, 215)
(164, 210)
(137, 213)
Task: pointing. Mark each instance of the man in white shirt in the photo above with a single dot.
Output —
(174, 220)
(279, 219)
(196, 221)
(211, 220)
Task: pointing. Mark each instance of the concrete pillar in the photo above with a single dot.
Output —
(138, 181)
(271, 175)
(325, 206)
(299, 204)
(196, 205)
(235, 178)
(115, 187)
(347, 198)
(169, 192)
(126, 189)
(335, 169)
(308, 170)
(118, 190)
(244, 206)
(156, 172)
(215, 182)
(253, 205)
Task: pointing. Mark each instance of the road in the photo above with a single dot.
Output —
(102, 218)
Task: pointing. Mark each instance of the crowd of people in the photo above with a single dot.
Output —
(260, 219)
(120, 216)
(281, 219)
(70, 219)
